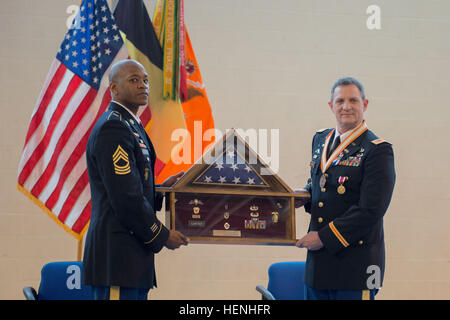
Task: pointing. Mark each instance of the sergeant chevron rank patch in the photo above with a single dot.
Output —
(120, 161)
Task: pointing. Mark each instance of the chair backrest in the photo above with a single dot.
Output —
(62, 281)
(286, 280)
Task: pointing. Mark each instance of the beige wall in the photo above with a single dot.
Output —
(266, 64)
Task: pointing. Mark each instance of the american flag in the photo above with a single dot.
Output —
(231, 169)
(52, 169)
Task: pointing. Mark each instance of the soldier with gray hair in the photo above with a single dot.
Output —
(351, 182)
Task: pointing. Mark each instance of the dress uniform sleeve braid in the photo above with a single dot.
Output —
(375, 195)
(115, 155)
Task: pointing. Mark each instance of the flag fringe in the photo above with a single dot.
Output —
(38, 202)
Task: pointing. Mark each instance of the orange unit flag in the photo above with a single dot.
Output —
(196, 108)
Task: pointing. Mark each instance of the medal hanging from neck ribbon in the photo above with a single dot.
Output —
(326, 163)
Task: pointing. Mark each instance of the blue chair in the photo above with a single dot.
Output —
(60, 281)
(285, 281)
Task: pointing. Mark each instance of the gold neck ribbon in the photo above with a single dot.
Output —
(326, 163)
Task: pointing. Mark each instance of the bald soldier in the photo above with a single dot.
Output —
(124, 233)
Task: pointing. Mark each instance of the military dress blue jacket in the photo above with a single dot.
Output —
(124, 232)
(349, 222)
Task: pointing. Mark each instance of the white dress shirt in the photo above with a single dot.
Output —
(134, 116)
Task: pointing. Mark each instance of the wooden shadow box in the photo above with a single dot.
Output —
(231, 196)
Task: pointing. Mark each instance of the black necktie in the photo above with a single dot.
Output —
(336, 143)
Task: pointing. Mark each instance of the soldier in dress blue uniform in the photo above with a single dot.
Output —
(351, 185)
(124, 232)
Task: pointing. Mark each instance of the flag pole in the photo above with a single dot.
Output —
(80, 249)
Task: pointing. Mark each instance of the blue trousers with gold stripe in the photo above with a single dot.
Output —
(119, 293)
(325, 294)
